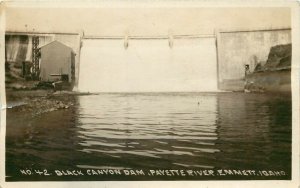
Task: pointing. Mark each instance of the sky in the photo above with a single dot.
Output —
(144, 21)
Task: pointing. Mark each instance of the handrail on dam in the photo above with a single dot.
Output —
(149, 37)
(111, 37)
(251, 30)
(39, 33)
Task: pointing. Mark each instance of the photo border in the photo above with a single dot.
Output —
(295, 25)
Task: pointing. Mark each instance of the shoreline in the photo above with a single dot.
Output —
(36, 102)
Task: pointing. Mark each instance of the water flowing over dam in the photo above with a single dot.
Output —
(19, 47)
(148, 65)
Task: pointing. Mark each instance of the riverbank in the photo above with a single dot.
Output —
(36, 102)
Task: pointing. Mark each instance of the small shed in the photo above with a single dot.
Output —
(57, 61)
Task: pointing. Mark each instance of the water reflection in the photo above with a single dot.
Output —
(164, 127)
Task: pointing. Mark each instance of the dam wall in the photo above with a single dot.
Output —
(223, 58)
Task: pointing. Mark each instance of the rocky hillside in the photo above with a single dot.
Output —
(275, 74)
(279, 58)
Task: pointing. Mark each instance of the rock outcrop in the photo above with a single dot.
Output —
(275, 74)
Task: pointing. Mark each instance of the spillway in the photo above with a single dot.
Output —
(148, 65)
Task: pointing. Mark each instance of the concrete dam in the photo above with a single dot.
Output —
(168, 64)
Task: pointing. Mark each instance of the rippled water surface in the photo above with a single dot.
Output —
(155, 131)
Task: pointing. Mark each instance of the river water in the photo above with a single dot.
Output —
(198, 131)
